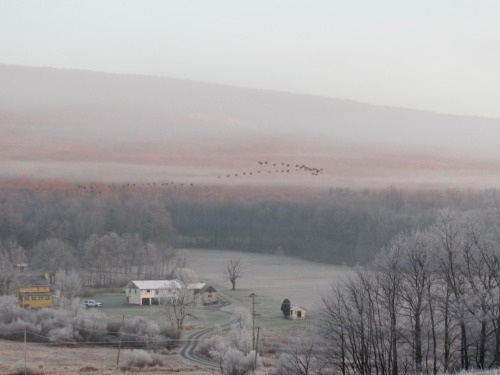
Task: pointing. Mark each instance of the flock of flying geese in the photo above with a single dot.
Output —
(269, 168)
(265, 168)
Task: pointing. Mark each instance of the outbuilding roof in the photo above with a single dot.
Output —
(208, 288)
(196, 286)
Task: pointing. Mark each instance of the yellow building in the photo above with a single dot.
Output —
(34, 291)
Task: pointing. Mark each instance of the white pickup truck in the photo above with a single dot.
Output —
(92, 303)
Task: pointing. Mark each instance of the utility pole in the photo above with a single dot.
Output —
(253, 295)
(120, 340)
(256, 349)
(25, 351)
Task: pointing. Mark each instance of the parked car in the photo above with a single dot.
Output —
(92, 303)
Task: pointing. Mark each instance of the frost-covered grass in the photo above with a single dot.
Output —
(271, 276)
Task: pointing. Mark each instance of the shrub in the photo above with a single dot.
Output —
(15, 330)
(64, 335)
(141, 358)
(237, 363)
(10, 310)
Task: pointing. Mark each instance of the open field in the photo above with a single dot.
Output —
(272, 278)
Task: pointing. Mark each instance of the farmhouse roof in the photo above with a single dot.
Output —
(157, 284)
(25, 281)
(297, 307)
(208, 288)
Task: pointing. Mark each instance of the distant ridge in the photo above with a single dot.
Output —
(78, 124)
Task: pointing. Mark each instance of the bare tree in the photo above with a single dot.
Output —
(181, 305)
(416, 269)
(233, 271)
(301, 355)
(453, 243)
(387, 265)
(345, 323)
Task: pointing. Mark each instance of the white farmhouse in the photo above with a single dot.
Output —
(148, 292)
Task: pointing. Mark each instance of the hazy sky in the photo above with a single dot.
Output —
(440, 55)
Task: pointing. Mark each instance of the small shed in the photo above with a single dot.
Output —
(208, 295)
(297, 312)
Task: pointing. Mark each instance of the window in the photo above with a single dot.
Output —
(148, 290)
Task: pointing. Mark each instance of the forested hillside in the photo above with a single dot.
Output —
(340, 226)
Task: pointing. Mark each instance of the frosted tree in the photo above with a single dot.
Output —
(233, 349)
(68, 283)
(10, 255)
(301, 356)
(52, 254)
(6, 273)
(183, 303)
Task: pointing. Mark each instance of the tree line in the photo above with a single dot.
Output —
(119, 232)
(428, 303)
